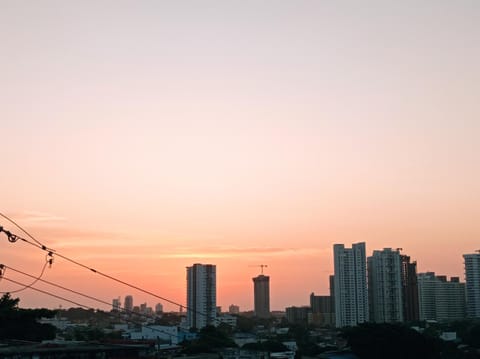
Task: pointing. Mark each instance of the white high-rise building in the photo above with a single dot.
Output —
(201, 295)
(472, 280)
(385, 286)
(350, 285)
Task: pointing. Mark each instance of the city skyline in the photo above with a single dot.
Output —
(356, 282)
(142, 137)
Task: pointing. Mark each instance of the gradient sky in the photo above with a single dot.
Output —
(140, 137)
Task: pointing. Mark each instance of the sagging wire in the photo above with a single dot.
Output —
(22, 229)
(14, 238)
(76, 303)
(127, 311)
(48, 261)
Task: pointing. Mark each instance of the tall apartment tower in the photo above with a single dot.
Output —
(128, 303)
(201, 295)
(409, 289)
(261, 296)
(472, 281)
(385, 286)
(350, 285)
(116, 304)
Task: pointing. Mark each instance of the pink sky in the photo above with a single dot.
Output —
(143, 137)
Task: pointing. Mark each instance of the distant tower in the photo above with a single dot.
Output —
(350, 285)
(201, 295)
(385, 286)
(159, 308)
(261, 294)
(472, 281)
(410, 289)
(128, 303)
(116, 304)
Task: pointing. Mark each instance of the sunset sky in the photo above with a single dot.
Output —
(140, 137)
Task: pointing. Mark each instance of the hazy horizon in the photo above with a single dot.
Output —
(140, 137)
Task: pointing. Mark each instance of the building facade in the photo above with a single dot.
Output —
(201, 295)
(472, 282)
(439, 299)
(159, 308)
(261, 296)
(322, 307)
(350, 285)
(409, 289)
(385, 286)
(116, 304)
(298, 315)
(128, 303)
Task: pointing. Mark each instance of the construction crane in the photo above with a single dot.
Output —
(261, 266)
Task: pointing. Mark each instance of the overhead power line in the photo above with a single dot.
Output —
(83, 305)
(22, 229)
(4, 267)
(13, 238)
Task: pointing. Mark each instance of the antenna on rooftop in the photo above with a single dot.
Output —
(261, 266)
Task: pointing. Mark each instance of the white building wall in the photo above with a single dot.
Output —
(201, 295)
(472, 283)
(154, 332)
(385, 286)
(350, 285)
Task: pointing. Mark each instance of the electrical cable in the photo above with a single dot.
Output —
(19, 227)
(3, 269)
(83, 305)
(12, 238)
(3, 266)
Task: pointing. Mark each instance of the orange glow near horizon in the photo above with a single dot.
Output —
(142, 137)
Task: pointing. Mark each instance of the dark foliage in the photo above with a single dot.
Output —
(268, 346)
(210, 339)
(379, 341)
(21, 324)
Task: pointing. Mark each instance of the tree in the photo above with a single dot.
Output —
(22, 324)
(272, 346)
(210, 338)
(392, 341)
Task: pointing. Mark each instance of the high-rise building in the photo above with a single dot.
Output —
(439, 299)
(261, 295)
(159, 308)
(472, 281)
(450, 299)
(128, 304)
(201, 295)
(116, 304)
(427, 284)
(350, 285)
(322, 310)
(385, 286)
(409, 289)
